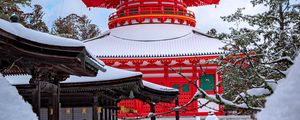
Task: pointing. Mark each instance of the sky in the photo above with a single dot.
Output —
(207, 17)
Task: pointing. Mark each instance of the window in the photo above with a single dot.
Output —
(207, 82)
(133, 11)
(185, 88)
(179, 12)
(176, 86)
(168, 10)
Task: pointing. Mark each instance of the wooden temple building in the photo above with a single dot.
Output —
(156, 37)
(58, 76)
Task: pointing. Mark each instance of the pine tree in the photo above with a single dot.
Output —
(262, 53)
(10, 7)
(34, 20)
(76, 27)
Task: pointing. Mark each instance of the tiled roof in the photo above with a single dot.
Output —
(153, 40)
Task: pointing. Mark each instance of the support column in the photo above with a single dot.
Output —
(177, 112)
(54, 102)
(101, 114)
(105, 114)
(152, 109)
(43, 76)
(109, 114)
(116, 110)
(95, 107)
(36, 99)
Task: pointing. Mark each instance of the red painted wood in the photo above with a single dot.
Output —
(159, 11)
(142, 108)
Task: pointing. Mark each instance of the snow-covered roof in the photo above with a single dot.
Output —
(153, 40)
(110, 74)
(158, 87)
(36, 36)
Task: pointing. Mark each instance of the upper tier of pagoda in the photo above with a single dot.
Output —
(116, 3)
(130, 12)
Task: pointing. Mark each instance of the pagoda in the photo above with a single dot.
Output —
(157, 38)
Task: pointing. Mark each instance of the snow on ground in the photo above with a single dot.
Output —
(12, 105)
(284, 104)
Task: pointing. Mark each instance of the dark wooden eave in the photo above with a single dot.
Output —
(25, 54)
(82, 93)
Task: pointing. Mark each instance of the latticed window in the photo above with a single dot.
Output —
(176, 86)
(168, 10)
(185, 88)
(207, 82)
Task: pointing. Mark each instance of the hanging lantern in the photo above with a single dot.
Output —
(131, 95)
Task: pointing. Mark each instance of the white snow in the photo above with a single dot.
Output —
(153, 40)
(158, 87)
(151, 32)
(284, 104)
(36, 36)
(12, 105)
(151, 114)
(257, 92)
(272, 83)
(211, 106)
(110, 74)
(211, 117)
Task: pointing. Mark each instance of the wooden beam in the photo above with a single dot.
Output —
(36, 99)
(95, 107)
(54, 104)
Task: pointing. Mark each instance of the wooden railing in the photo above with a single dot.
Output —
(149, 11)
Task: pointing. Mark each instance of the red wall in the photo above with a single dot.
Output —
(161, 74)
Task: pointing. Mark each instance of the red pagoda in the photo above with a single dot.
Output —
(156, 37)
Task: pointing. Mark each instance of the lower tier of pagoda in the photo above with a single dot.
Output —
(169, 72)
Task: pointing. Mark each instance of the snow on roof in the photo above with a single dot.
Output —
(284, 104)
(36, 36)
(154, 40)
(11, 103)
(110, 74)
(158, 87)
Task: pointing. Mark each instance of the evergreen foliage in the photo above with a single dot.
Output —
(261, 52)
(76, 27)
(34, 20)
(31, 20)
(11, 7)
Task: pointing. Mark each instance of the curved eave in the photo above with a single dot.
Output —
(122, 87)
(115, 3)
(160, 56)
(34, 47)
(158, 93)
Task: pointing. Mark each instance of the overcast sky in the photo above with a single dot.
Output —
(207, 16)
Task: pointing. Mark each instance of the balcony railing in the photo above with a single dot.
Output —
(149, 11)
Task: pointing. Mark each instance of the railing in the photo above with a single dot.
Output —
(149, 11)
